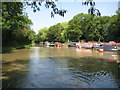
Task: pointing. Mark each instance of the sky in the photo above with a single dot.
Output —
(43, 18)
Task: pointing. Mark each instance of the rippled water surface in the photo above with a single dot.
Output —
(51, 67)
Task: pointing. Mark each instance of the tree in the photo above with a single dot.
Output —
(64, 32)
(113, 29)
(78, 27)
(42, 35)
(98, 28)
(54, 33)
(15, 24)
(85, 27)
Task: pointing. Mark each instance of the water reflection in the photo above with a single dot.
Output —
(95, 76)
(50, 67)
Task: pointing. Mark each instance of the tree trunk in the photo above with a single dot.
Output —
(99, 40)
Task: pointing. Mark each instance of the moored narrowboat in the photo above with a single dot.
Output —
(72, 44)
(111, 46)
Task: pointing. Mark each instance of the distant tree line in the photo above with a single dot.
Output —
(83, 27)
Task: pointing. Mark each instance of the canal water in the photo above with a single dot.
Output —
(52, 67)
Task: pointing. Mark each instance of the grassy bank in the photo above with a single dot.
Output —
(14, 47)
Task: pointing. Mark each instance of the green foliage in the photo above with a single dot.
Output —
(54, 33)
(84, 27)
(64, 31)
(79, 26)
(15, 25)
(114, 28)
(42, 35)
(98, 28)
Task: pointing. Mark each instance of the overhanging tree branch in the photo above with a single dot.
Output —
(35, 5)
(92, 10)
(48, 4)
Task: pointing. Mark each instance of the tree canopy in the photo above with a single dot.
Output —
(15, 24)
(86, 27)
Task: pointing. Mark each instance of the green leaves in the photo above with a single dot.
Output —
(84, 26)
(54, 33)
(15, 25)
(113, 29)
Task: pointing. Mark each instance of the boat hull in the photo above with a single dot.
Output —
(111, 47)
(101, 50)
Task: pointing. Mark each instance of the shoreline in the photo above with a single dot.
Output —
(9, 49)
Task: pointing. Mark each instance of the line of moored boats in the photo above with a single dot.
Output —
(101, 47)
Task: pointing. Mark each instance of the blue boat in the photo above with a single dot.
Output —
(111, 46)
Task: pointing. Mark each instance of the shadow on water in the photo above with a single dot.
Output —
(13, 73)
(65, 72)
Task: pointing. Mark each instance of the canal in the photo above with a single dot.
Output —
(52, 67)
